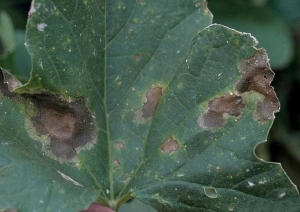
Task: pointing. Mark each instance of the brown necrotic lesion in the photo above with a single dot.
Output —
(171, 145)
(214, 118)
(144, 114)
(257, 77)
(63, 127)
(68, 126)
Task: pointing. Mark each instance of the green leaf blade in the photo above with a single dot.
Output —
(58, 39)
(28, 181)
(37, 188)
(128, 75)
(221, 158)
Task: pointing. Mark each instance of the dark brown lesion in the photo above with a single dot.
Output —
(68, 126)
(230, 104)
(146, 112)
(257, 77)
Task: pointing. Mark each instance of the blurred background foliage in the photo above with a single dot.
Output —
(275, 24)
(13, 54)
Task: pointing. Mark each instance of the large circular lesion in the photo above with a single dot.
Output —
(68, 126)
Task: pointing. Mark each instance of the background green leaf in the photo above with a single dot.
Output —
(288, 9)
(262, 22)
(7, 35)
(18, 10)
(18, 62)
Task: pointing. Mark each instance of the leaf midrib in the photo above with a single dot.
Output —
(110, 174)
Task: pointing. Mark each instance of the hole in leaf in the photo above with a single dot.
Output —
(210, 192)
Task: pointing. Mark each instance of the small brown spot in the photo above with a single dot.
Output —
(169, 146)
(214, 118)
(119, 145)
(257, 77)
(137, 57)
(116, 162)
(146, 112)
